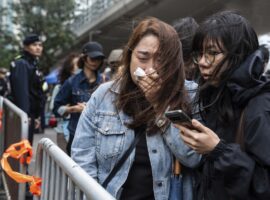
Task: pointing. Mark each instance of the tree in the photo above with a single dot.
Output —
(8, 43)
(51, 19)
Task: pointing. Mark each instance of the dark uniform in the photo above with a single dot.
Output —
(26, 87)
(3, 87)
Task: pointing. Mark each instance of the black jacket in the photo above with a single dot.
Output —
(232, 172)
(26, 84)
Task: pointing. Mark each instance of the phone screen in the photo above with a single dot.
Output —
(179, 117)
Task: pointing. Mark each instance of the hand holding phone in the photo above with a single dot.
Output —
(179, 117)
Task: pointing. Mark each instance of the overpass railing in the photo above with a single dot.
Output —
(94, 10)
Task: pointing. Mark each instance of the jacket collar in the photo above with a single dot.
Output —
(30, 57)
(115, 88)
(83, 78)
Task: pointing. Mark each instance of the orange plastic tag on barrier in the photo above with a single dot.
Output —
(17, 151)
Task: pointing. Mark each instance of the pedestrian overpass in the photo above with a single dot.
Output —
(110, 22)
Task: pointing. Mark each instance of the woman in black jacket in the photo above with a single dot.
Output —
(234, 103)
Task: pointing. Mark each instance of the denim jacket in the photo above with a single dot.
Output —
(75, 90)
(102, 138)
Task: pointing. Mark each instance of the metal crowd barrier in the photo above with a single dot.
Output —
(62, 178)
(14, 129)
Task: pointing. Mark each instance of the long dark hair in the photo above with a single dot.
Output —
(171, 91)
(186, 29)
(82, 61)
(67, 68)
(233, 35)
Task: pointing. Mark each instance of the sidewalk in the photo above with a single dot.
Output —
(48, 133)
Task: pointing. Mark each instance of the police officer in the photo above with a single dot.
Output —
(25, 80)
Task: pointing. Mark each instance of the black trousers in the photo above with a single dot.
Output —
(31, 130)
(70, 140)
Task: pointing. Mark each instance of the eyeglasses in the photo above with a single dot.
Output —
(209, 56)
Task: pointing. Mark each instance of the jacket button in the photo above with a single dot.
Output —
(159, 184)
(154, 151)
(160, 123)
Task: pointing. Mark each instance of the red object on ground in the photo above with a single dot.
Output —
(52, 121)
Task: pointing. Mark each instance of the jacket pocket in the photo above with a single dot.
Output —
(110, 135)
(80, 95)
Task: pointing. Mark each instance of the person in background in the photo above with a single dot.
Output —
(234, 103)
(26, 81)
(76, 90)
(265, 52)
(267, 74)
(3, 82)
(133, 107)
(45, 90)
(68, 68)
(186, 29)
(114, 68)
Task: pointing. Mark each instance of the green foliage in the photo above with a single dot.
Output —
(8, 45)
(51, 19)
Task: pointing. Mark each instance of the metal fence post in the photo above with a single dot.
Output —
(14, 129)
(71, 181)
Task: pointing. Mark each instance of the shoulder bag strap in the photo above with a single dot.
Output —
(122, 160)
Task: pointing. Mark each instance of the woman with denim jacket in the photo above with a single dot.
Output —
(76, 91)
(131, 105)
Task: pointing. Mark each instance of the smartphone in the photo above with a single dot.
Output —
(179, 117)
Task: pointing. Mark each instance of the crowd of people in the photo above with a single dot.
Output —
(114, 122)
